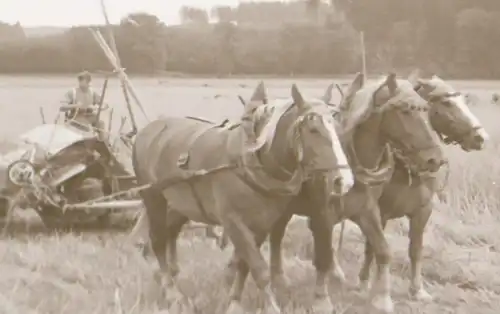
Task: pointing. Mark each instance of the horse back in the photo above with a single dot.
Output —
(165, 148)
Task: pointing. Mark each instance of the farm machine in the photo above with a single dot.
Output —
(71, 172)
(68, 172)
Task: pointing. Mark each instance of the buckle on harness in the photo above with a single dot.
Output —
(183, 161)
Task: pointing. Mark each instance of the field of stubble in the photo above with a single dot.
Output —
(98, 272)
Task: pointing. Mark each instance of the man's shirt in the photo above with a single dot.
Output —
(77, 96)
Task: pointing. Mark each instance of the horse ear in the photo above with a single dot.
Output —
(356, 85)
(327, 97)
(341, 92)
(414, 78)
(392, 82)
(297, 96)
(259, 94)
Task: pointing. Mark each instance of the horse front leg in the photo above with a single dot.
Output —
(279, 280)
(365, 272)
(247, 248)
(371, 226)
(418, 222)
(324, 255)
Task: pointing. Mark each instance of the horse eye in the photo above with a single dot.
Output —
(314, 130)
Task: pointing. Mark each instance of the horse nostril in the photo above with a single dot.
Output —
(478, 139)
(337, 183)
(434, 164)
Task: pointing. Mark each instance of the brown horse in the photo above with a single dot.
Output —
(373, 116)
(412, 194)
(241, 178)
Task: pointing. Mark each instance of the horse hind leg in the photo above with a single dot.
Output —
(418, 222)
(175, 222)
(159, 232)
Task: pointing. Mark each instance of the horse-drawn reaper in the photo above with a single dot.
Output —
(58, 169)
(251, 172)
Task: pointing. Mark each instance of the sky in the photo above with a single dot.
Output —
(77, 12)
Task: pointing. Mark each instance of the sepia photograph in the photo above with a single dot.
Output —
(249, 156)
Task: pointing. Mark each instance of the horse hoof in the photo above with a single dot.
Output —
(152, 293)
(364, 286)
(235, 308)
(421, 295)
(279, 282)
(383, 304)
(270, 309)
(322, 306)
(339, 276)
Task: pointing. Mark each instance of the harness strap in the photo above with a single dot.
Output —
(382, 173)
(183, 163)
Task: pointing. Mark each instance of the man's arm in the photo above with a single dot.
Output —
(67, 101)
(96, 98)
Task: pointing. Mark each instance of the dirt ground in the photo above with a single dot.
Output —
(99, 272)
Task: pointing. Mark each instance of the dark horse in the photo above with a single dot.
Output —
(241, 178)
(411, 194)
(373, 116)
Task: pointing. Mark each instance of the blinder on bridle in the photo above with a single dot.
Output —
(295, 137)
(297, 141)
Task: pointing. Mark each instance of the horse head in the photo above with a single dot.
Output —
(297, 133)
(389, 111)
(449, 113)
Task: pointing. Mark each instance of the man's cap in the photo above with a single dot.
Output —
(85, 75)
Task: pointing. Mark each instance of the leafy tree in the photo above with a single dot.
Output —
(193, 15)
(9, 33)
(223, 14)
(142, 37)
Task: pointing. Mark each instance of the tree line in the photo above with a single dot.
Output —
(455, 38)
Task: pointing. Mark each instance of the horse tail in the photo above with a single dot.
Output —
(140, 227)
(141, 233)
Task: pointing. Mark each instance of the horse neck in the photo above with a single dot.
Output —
(368, 145)
(277, 158)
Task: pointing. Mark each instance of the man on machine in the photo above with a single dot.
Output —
(81, 104)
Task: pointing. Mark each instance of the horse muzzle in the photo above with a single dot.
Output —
(342, 182)
(476, 141)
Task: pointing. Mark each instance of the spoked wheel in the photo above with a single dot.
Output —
(55, 218)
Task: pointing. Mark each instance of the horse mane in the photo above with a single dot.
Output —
(358, 107)
(271, 113)
(440, 86)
